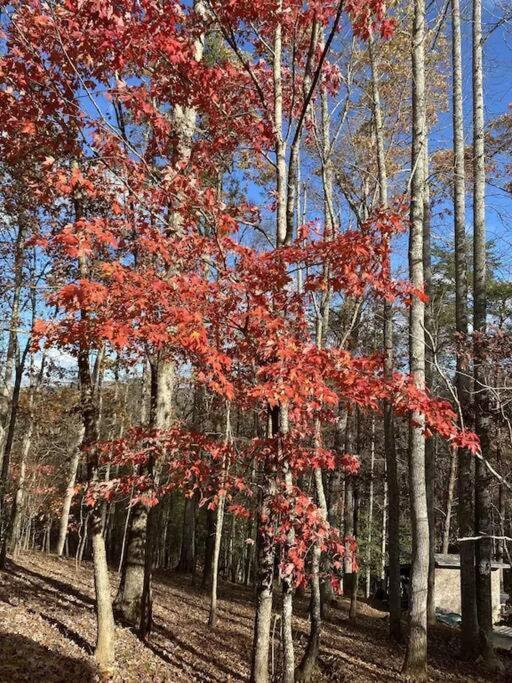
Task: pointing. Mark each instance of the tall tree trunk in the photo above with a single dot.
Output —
(187, 561)
(122, 557)
(430, 350)
(452, 480)
(324, 590)
(266, 550)
(483, 499)
(287, 582)
(104, 652)
(162, 385)
(133, 598)
(212, 619)
(355, 574)
(305, 670)
(14, 534)
(12, 342)
(134, 594)
(7, 409)
(105, 636)
(415, 664)
(335, 499)
(211, 517)
(393, 487)
(6, 515)
(384, 529)
(465, 480)
(369, 538)
(264, 576)
(70, 490)
(502, 543)
(349, 514)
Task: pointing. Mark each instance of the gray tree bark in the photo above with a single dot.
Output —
(219, 521)
(105, 636)
(12, 341)
(70, 490)
(450, 492)
(15, 527)
(369, 538)
(264, 574)
(465, 480)
(133, 600)
(483, 499)
(415, 664)
(430, 452)
(187, 561)
(393, 488)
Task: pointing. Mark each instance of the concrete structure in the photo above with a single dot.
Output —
(447, 584)
(447, 588)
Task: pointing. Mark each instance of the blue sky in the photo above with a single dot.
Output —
(498, 97)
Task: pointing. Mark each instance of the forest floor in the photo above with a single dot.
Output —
(47, 631)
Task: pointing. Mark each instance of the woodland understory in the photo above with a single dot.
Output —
(256, 344)
(47, 632)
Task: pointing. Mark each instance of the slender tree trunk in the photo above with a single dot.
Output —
(348, 514)
(335, 499)
(465, 480)
(288, 648)
(305, 670)
(369, 538)
(384, 528)
(212, 619)
(6, 515)
(483, 498)
(264, 586)
(14, 533)
(70, 490)
(209, 550)
(430, 452)
(355, 574)
(392, 491)
(187, 561)
(452, 480)
(12, 344)
(122, 558)
(306, 667)
(415, 664)
(502, 543)
(324, 590)
(14, 540)
(104, 651)
(266, 550)
(160, 418)
(393, 487)
(287, 582)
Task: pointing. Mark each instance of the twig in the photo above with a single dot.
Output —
(477, 538)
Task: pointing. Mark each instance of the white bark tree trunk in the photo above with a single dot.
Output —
(415, 664)
(483, 497)
(70, 490)
(465, 480)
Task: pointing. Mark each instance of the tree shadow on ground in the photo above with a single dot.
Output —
(23, 660)
(55, 584)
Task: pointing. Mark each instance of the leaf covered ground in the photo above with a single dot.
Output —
(47, 631)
